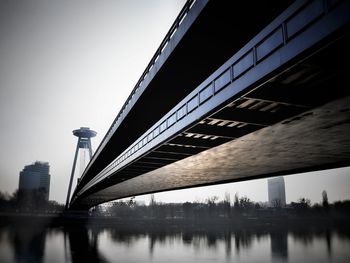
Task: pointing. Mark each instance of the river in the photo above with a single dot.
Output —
(28, 242)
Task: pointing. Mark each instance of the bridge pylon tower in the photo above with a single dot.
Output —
(84, 135)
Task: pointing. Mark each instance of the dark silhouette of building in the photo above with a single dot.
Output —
(35, 177)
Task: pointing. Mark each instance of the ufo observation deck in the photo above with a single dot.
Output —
(84, 132)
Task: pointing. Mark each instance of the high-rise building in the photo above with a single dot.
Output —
(277, 192)
(35, 176)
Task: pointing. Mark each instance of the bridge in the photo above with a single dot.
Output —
(235, 91)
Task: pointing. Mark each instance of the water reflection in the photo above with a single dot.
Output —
(94, 243)
(243, 240)
(279, 246)
(329, 242)
(83, 244)
(28, 243)
(326, 235)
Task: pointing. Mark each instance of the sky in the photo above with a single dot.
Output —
(72, 63)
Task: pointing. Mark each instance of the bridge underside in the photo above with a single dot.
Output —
(296, 121)
(279, 105)
(313, 141)
(215, 32)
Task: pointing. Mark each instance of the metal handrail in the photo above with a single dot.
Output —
(188, 5)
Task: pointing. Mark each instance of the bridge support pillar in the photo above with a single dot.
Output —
(84, 135)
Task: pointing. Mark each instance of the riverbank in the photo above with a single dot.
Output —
(232, 223)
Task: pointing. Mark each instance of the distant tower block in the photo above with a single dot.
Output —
(84, 135)
(277, 192)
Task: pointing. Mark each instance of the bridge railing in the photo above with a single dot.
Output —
(131, 99)
(255, 60)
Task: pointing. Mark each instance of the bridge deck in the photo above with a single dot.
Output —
(205, 30)
(279, 105)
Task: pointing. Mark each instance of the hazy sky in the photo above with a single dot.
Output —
(71, 63)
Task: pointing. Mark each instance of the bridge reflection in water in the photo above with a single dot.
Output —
(157, 242)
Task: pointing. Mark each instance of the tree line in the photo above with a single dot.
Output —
(29, 201)
(213, 208)
(33, 201)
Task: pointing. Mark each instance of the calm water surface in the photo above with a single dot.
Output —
(31, 243)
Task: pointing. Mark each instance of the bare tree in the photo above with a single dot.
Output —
(325, 203)
(245, 202)
(152, 200)
(236, 202)
(227, 198)
(276, 203)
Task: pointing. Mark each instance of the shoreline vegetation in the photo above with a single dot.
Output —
(301, 222)
(211, 213)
